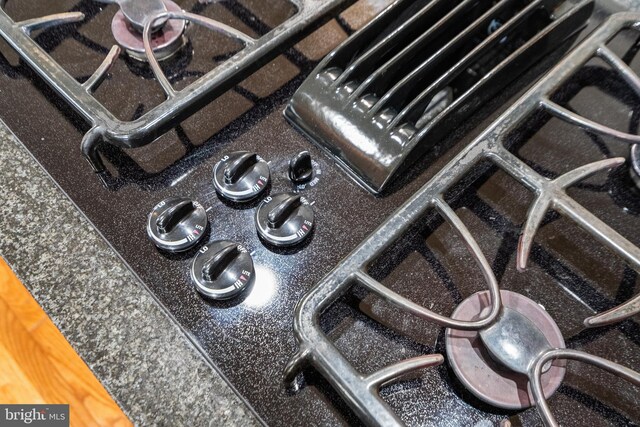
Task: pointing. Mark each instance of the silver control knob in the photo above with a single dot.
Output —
(222, 270)
(241, 176)
(285, 219)
(177, 224)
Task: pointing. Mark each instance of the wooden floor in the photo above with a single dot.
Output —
(37, 365)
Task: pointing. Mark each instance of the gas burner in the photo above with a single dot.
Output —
(167, 36)
(493, 363)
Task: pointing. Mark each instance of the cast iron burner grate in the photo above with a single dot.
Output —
(361, 392)
(179, 104)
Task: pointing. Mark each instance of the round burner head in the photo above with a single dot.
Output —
(487, 379)
(165, 42)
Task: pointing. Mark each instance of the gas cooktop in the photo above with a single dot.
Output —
(255, 240)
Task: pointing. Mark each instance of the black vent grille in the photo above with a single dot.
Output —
(416, 71)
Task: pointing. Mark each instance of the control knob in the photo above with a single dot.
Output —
(301, 168)
(222, 270)
(241, 176)
(177, 224)
(285, 219)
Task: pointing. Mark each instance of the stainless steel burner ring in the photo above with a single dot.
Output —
(165, 42)
(487, 379)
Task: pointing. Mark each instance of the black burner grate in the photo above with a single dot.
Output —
(361, 392)
(179, 104)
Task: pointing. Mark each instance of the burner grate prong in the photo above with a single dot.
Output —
(619, 65)
(627, 74)
(417, 310)
(614, 315)
(568, 354)
(49, 21)
(93, 82)
(590, 125)
(549, 196)
(552, 195)
(196, 19)
(600, 230)
(393, 372)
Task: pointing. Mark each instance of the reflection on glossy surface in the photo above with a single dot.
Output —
(179, 179)
(264, 289)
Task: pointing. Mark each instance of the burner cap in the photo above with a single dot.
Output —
(487, 379)
(165, 42)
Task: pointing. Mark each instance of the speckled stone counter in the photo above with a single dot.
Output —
(143, 359)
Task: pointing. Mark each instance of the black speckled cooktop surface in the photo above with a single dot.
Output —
(249, 340)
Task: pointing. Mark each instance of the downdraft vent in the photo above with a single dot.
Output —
(399, 85)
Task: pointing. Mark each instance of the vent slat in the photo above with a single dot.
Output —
(420, 102)
(426, 17)
(441, 61)
(396, 63)
(341, 56)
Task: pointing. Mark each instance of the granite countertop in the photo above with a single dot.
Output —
(144, 360)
